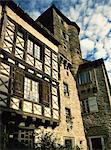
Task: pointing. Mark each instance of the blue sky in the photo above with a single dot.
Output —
(93, 18)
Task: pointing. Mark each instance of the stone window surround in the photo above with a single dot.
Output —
(102, 141)
(70, 138)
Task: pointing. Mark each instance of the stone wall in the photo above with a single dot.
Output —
(97, 123)
(76, 132)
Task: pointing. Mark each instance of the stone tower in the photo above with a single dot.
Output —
(67, 32)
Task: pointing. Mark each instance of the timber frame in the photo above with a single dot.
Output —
(19, 62)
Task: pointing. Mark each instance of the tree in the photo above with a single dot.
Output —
(48, 142)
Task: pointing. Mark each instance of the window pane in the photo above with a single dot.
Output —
(66, 92)
(84, 77)
(31, 90)
(37, 51)
(68, 144)
(30, 47)
(68, 112)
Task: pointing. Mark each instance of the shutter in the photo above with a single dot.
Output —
(44, 92)
(40, 92)
(93, 104)
(18, 82)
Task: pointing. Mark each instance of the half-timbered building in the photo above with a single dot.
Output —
(46, 85)
(29, 92)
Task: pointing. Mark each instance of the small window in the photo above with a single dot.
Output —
(89, 105)
(66, 90)
(84, 77)
(30, 47)
(37, 51)
(68, 144)
(68, 114)
(85, 106)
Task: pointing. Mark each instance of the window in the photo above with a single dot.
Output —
(33, 49)
(26, 137)
(68, 114)
(51, 63)
(89, 105)
(85, 106)
(84, 77)
(34, 54)
(30, 47)
(31, 90)
(69, 118)
(66, 91)
(68, 144)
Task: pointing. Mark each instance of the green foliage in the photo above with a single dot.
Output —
(48, 142)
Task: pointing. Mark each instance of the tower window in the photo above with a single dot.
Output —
(66, 90)
(68, 114)
(84, 77)
(68, 144)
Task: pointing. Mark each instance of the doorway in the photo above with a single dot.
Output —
(96, 143)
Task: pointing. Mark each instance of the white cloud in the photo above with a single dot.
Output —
(73, 14)
(87, 46)
(100, 51)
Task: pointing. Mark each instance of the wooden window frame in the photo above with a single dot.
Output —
(35, 42)
(31, 89)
